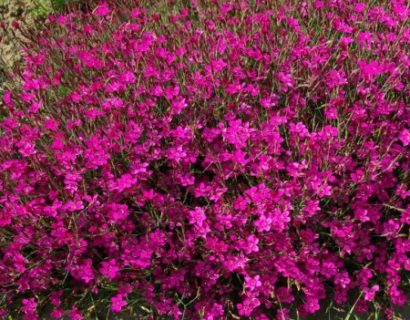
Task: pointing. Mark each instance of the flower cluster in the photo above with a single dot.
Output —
(208, 159)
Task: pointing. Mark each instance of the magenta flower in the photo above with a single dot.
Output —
(206, 161)
(102, 10)
(197, 216)
(117, 303)
(117, 212)
(29, 307)
(247, 306)
(109, 268)
(404, 137)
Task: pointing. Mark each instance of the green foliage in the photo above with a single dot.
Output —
(41, 8)
(59, 4)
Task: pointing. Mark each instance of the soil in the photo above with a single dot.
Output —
(11, 10)
(25, 12)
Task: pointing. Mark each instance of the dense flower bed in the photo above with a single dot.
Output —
(208, 160)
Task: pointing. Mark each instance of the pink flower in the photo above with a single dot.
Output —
(177, 153)
(269, 102)
(51, 124)
(7, 97)
(117, 212)
(390, 228)
(247, 306)
(215, 168)
(35, 107)
(102, 10)
(124, 182)
(84, 271)
(404, 137)
(282, 314)
(360, 7)
(178, 105)
(342, 279)
(109, 268)
(117, 303)
(57, 313)
(74, 314)
(369, 293)
(370, 70)
(252, 283)
(128, 77)
(5, 218)
(336, 79)
(249, 245)
(263, 223)
(197, 216)
(29, 307)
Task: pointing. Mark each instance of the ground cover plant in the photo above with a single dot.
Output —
(207, 160)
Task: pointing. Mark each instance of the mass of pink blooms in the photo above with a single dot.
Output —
(208, 159)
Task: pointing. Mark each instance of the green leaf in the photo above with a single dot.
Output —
(59, 4)
(63, 92)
